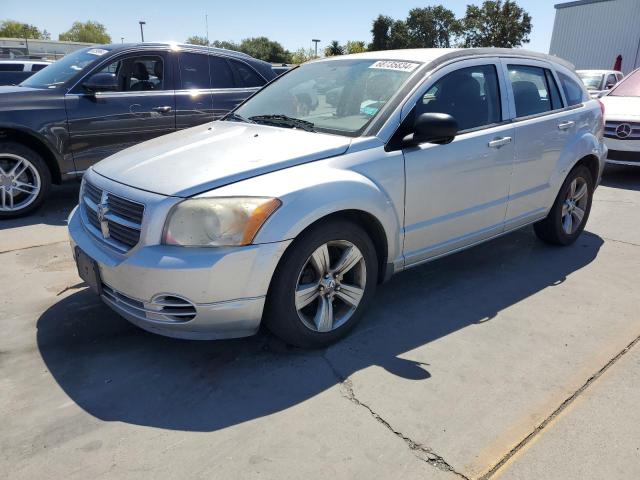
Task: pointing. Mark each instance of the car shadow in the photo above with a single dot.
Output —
(54, 211)
(117, 372)
(621, 176)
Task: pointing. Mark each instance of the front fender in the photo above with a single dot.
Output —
(314, 191)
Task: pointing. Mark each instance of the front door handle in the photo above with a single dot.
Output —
(499, 142)
(566, 125)
(164, 109)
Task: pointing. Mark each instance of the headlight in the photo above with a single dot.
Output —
(214, 222)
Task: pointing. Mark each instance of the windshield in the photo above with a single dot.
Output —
(335, 96)
(591, 80)
(629, 87)
(59, 72)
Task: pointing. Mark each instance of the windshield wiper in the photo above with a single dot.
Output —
(237, 116)
(285, 121)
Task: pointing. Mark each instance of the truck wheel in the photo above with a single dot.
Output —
(322, 285)
(25, 180)
(570, 211)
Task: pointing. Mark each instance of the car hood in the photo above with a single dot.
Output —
(621, 108)
(202, 158)
(13, 97)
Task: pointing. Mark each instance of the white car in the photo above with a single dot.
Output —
(599, 82)
(622, 117)
(291, 214)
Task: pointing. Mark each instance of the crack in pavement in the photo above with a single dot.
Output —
(620, 241)
(422, 452)
(558, 410)
(32, 246)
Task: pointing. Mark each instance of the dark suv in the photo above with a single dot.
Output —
(99, 100)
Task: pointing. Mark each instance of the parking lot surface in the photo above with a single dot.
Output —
(513, 359)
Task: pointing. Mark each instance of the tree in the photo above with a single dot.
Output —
(197, 40)
(225, 44)
(265, 49)
(89, 32)
(496, 24)
(355, 47)
(13, 29)
(302, 55)
(399, 36)
(432, 27)
(333, 49)
(381, 32)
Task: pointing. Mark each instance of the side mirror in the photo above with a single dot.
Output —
(101, 82)
(433, 128)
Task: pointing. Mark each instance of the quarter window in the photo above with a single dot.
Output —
(245, 76)
(530, 90)
(573, 92)
(470, 95)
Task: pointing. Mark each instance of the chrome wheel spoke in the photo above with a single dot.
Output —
(567, 223)
(18, 165)
(349, 259)
(580, 193)
(324, 316)
(572, 188)
(25, 187)
(578, 214)
(305, 294)
(19, 182)
(350, 294)
(320, 260)
(4, 197)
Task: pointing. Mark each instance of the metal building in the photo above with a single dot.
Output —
(592, 33)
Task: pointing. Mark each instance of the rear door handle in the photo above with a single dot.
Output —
(566, 125)
(164, 109)
(499, 142)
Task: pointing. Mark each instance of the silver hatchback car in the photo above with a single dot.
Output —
(332, 178)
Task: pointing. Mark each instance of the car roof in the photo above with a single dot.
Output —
(175, 46)
(598, 71)
(22, 60)
(442, 55)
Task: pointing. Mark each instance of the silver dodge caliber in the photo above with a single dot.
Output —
(335, 176)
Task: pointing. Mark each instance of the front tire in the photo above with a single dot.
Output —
(322, 285)
(25, 180)
(570, 211)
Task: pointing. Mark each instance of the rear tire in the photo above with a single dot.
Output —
(322, 285)
(25, 180)
(570, 212)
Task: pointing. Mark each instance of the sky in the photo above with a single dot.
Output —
(292, 23)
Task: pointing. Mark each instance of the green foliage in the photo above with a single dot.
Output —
(496, 24)
(265, 49)
(333, 49)
(90, 32)
(225, 44)
(355, 47)
(13, 29)
(197, 40)
(302, 55)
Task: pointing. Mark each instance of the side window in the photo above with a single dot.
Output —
(221, 75)
(11, 67)
(572, 91)
(611, 80)
(194, 71)
(137, 74)
(470, 95)
(38, 66)
(530, 91)
(245, 75)
(556, 99)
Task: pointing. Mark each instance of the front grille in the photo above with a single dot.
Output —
(163, 308)
(610, 130)
(123, 217)
(623, 156)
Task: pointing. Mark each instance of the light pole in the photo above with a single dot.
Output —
(141, 30)
(121, 39)
(316, 41)
(26, 40)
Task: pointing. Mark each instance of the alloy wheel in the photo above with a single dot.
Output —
(575, 205)
(330, 286)
(20, 182)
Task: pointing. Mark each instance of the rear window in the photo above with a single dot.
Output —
(221, 74)
(11, 67)
(530, 90)
(629, 87)
(245, 75)
(194, 71)
(572, 90)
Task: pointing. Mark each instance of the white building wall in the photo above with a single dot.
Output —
(592, 33)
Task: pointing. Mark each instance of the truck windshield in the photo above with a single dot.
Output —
(339, 96)
(591, 80)
(629, 87)
(59, 72)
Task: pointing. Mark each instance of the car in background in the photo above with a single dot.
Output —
(99, 100)
(12, 72)
(290, 213)
(599, 82)
(279, 69)
(622, 121)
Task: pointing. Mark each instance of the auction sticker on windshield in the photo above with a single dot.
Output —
(97, 51)
(394, 65)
